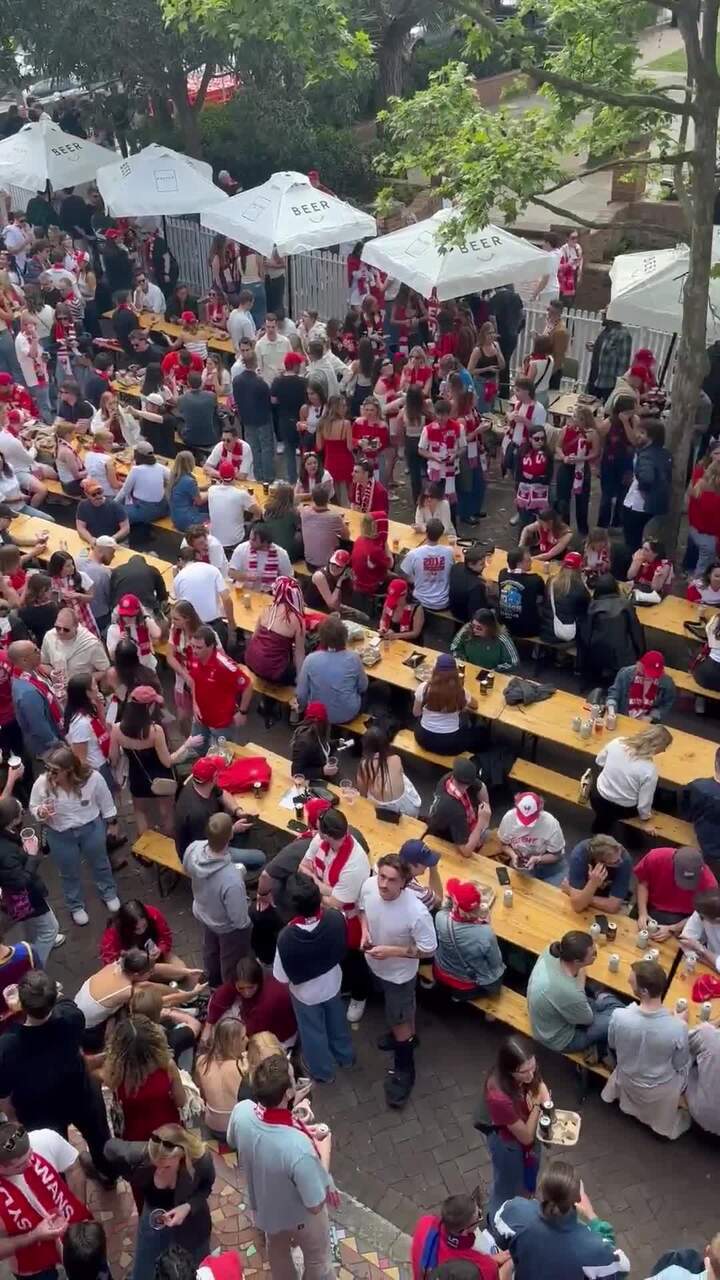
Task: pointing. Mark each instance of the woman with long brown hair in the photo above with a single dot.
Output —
(220, 1069)
(577, 448)
(440, 704)
(381, 778)
(184, 622)
(513, 1095)
(139, 1070)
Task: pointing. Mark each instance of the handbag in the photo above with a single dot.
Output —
(159, 786)
(193, 1108)
(17, 905)
(565, 631)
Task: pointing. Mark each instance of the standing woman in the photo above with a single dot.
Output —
(359, 381)
(143, 492)
(88, 736)
(224, 263)
(73, 803)
(151, 779)
(174, 1174)
(539, 367)
(183, 492)
(253, 279)
(533, 476)
(704, 514)
(513, 1096)
(184, 623)
(310, 415)
(24, 893)
(8, 308)
(334, 440)
(474, 458)
(486, 364)
(577, 448)
(616, 465)
(418, 372)
(140, 1072)
(411, 420)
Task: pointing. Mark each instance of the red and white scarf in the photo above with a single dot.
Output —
(596, 559)
(136, 629)
(533, 490)
(525, 411)
(575, 443)
(101, 732)
(463, 796)
(281, 1116)
(476, 451)
(234, 455)
(43, 687)
(19, 1215)
(81, 608)
(442, 446)
(270, 570)
(361, 496)
(328, 863)
(388, 618)
(546, 540)
(648, 569)
(641, 697)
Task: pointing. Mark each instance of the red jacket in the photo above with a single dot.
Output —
(111, 948)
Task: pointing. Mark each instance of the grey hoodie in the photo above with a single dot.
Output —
(218, 886)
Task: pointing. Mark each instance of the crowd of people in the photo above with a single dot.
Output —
(313, 421)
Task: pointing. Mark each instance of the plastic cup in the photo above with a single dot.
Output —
(508, 897)
(681, 1005)
(348, 791)
(299, 781)
(690, 962)
(246, 599)
(157, 1219)
(11, 995)
(576, 724)
(14, 762)
(614, 963)
(30, 841)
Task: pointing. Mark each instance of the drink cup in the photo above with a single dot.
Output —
(575, 724)
(348, 791)
(396, 544)
(614, 962)
(461, 670)
(611, 931)
(508, 897)
(586, 728)
(490, 677)
(247, 600)
(705, 1011)
(652, 927)
(483, 687)
(611, 721)
(642, 939)
(266, 490)
(681, 1005)
(545, 1125)
(299, 781)
(29, 841)
(332, 761)
(14, 762)
(157, 1219)
(690, 962)
(595, 932)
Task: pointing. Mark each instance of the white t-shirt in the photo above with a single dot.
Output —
(624, 779)
(429, 568)
(74, 808)
(227, 506)
(705, 931)
(81, 730)
(552, 288)
(397, 924)
(27, 364)
(543, 836)
(240, 324)
(151, 298)
(58, 1152)
(351, 878)
(270, 356)
(537, 418)
(96, 467)
(216, 554)
(214, 458)
(15, 453)
(438, 721)
(241, 556)
(16, 243)
(315, 990)
(201, 584)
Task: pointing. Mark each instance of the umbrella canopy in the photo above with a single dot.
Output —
(288, 213)
(649, 289)
(157, 180)
(43, 152)
(489, 258)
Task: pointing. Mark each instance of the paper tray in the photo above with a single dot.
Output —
(567, 1136)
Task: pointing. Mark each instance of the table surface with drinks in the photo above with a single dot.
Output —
(60, 538)
(689, 969)
(212, 335)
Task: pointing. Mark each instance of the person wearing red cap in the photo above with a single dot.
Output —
(643, 690)
(222, 690)
(566, 602)
(310, 747)
(231, 449)
(468, 958)
(532, 839)
(649, 492)
(230, 508)
(577, 448)
(199, 799)
(287, 396)
(401, 615)
(132, 621)
(329, 588)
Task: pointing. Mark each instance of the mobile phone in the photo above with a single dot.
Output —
(603, 922)
(294, 825)
(387, 815)
(502, 875)
(414, 660)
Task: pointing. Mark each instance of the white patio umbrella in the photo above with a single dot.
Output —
(42, 152)
(489, 258)
(649, 289)
(288, 213)
(156, 181)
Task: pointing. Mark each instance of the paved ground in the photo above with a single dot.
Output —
(400, 1165)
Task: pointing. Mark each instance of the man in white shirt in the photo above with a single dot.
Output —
(240, 323)
(397, 931)
(41, 1199)
(325, 367)
(204, 587)
(245, 348)
(148, 296)
(259, 562)
(34, 369)
(233, 450)
(548, 287)
(428, 568)
(271, 350)
(72, 648)
(206, 547)
(229, 508)
(533, 839)
(18, 237)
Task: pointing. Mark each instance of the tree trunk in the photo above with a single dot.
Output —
(186, 117)
(692, 362)
(389, 57)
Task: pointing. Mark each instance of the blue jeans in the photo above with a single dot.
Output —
(69, 849)
(41, 396)
(259, 306)
(325, 1036)
(250, 859)
(139, 512)
(27, 510)
(705, 545)
(149, 1244)
(262, 442)
(511, 1173)
(603, 1006)
(470, 500)
(41, 932)
(210, 736)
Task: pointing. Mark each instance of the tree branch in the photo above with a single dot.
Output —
(569, 216)
(207, 75)
(679, 177)
(679, 157)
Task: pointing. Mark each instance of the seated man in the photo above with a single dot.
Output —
(532, 839)
(599, 875)
(428, 568)
(460, 810)
(257, 563)
(642, 690)
(701, 932)
(667, 882)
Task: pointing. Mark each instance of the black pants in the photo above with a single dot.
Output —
(564, 481)
(469, 737)
(707, 673)
(90, 1118)
(356, 976)
(614, 484)
(607, 814)
(633, 523)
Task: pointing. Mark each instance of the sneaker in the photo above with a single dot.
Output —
(81, 916)
(355, 1010)
(113, 905)
(280, 448)
(516, 518)
(59, 941)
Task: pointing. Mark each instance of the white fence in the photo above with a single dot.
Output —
(584, 326)
(191, 245)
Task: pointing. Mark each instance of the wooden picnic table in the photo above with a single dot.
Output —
(148, 320)
(681, 988)
(565, 404)
(33, 526)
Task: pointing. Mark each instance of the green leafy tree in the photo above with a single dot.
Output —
(582, 56)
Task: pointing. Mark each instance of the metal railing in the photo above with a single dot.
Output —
(584, 327)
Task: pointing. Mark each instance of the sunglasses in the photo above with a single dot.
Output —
(64, 630)
(164, 1143)
(13, 1139)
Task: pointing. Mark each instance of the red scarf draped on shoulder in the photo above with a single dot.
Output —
(328, 863)
(641, 697)
(19, 1215)
(460, 794)
(138, 633)
(44, 688)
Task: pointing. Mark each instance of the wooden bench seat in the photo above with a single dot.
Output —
(160, 850)
(686, 683)
(405, 741)
(550, 783)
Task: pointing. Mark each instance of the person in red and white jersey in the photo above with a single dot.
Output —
(440, 443)
(221, 689)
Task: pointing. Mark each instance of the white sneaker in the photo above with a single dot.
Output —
(59, 940)
(280, 448)
(355, 1010)
(516, 518)
(81, 916)
(113, 904)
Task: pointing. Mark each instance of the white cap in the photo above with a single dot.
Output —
(106, 541)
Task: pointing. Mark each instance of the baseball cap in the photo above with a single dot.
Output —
(528, 807)
(653, 664)
(316, 711)
(226, 471)
(340, 559)
(128, 606)
(464, 894)
(314, 810)
(188, 317)
(156, 397)
(5, 379)
(573, 560)
(144, 446)
(445, 662)
(418, 853)
(145, 694)
(207, 768)
(396, 588)
(91, 488)
(106, 541)
(687, 866)
(466, 772)
(292, 360)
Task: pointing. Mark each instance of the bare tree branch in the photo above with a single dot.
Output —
(679, 177)
(207, 76)
(678, 157)
(569, 216)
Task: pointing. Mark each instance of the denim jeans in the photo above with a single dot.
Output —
(259, 306)
(211, 737)
(706, 545)
(69, 849)
(470, 500)
(603, 1006)
(149, 1244)
(250, 859)
(325, 1036)
(8, 358)
(510, 1172)
(41, 396)
(41, 932)
(27, 510)
(415, 466)
(262, 442)
(139, 512)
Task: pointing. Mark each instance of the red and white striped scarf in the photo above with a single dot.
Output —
(101, 732)
(641, 697)
(43, 687)
(361, 496)
(463, 797)
(234, 455)
(81, 608)
(271, 567)
(406, 618)
(136, 629)
(574, 442)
